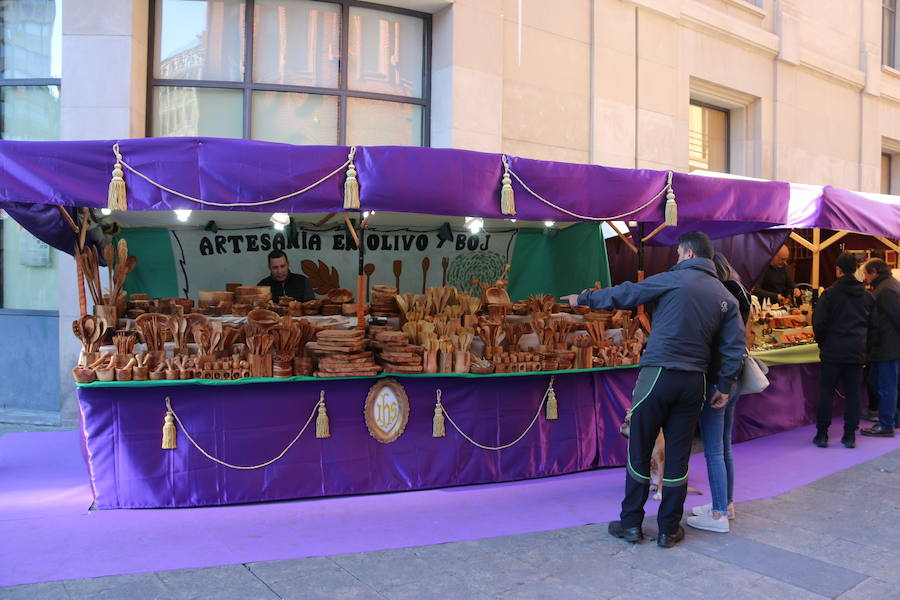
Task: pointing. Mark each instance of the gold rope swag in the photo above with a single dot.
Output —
(440, 413)
(169, 434)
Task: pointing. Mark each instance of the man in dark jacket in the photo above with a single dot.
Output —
(886, 350)
(844, 326)
(777, 284)
(694, 315)
(283, 282)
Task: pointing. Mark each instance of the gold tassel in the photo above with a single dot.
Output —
(671, 206)
(437, 425)
(323, 430)
(116, 196)
(507, 199)
(351, 185)
(552, 409)
(169, 433)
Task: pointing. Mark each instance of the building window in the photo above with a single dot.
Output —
(30, 69)
(708, 138)
(889, 32)
(294, 71)
(885, 173)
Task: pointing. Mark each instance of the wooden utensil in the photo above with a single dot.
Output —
(445, 263)
(398, 268)
(426, 262)
(109, 255)
(368, 270)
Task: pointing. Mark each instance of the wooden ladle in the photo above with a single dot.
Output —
(368, 270)
(426, 262)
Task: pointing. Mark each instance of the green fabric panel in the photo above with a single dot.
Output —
(155, 271)
(565, 263)
(246, 380)
(792, 355)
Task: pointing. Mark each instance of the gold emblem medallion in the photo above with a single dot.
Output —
(386, 410)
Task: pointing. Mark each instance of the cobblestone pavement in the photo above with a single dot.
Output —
(834, 538)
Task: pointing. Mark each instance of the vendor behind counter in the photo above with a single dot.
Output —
(284, 283)
(777, 284)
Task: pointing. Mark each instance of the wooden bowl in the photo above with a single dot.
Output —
(252, 290)
(136, 297)
(340, 296)
(263, 317)
(84, 375)
(105, 374)
(497, 295)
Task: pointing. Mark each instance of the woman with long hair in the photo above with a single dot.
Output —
(716, 425)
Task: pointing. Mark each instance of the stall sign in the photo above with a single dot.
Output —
(386, 410)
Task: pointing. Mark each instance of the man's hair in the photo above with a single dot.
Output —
(878, 266)
(699, 242)
(847, 263)
(277, 254)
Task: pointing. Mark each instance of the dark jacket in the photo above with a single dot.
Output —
(693, 315)
(296, 286)
(887, 319)
(775, 281)
(844, 322)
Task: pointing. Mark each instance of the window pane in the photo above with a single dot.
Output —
(708, 139)
(293, 118)
(379, 123)
(29, 112)
(29, 277)
(385, 52)
(31, 38)
(193, 111)
(200, 39)
(297, 42)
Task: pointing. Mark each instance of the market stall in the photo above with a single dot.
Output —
(380, 408)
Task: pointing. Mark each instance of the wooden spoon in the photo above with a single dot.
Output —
(109, 255)
(368, 270)
(398, 268)
(445, 263)
(426, 262)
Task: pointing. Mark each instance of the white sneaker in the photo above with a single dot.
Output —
(705, 509)
(708, 523)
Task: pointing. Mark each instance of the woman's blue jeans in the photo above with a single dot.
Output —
(716, 425)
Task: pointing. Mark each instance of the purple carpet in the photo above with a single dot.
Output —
(48, 533)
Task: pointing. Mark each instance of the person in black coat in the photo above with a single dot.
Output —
(885, 355)
(285, 283)
(844, 326)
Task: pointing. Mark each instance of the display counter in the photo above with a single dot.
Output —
(248, 423)
(792, 355)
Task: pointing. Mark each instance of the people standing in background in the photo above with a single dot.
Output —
(844, 326)
(717, 424)
(777, 284)
(885, 354)
(693, 314)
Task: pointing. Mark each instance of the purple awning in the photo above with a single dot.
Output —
(397, 179)
(838, 209)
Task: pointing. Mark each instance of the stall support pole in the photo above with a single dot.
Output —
(361, 282)
(814, 279)
(640, 253)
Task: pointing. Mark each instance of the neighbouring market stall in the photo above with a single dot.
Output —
(252, 439)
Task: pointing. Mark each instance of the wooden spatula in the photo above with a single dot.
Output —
(398, 268)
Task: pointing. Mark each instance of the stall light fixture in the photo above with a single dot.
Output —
(474, 224)
(445, 234)
(280, 220)
(513, 220)
(632, 224)
(105, 212)
(368, 213)
(549, 224)
(212, 226)
(183, 214)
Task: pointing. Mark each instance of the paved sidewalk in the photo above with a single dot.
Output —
(834, 538)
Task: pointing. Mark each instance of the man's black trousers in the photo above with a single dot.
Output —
(671, 400)
(830, 374)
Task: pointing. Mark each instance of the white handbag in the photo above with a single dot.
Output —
(753, 377)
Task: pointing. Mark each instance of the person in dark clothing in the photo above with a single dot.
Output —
(717, 425)
(777, 284)
(693, 315)
(844, 326)
(285, 283)
(886, 349)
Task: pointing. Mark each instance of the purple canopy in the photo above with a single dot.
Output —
(842, 210)
(397, 179)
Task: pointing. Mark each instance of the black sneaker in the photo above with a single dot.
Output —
(877, 431)
(849, 440)
(668, 540)
(629, 534)
(821, 440)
